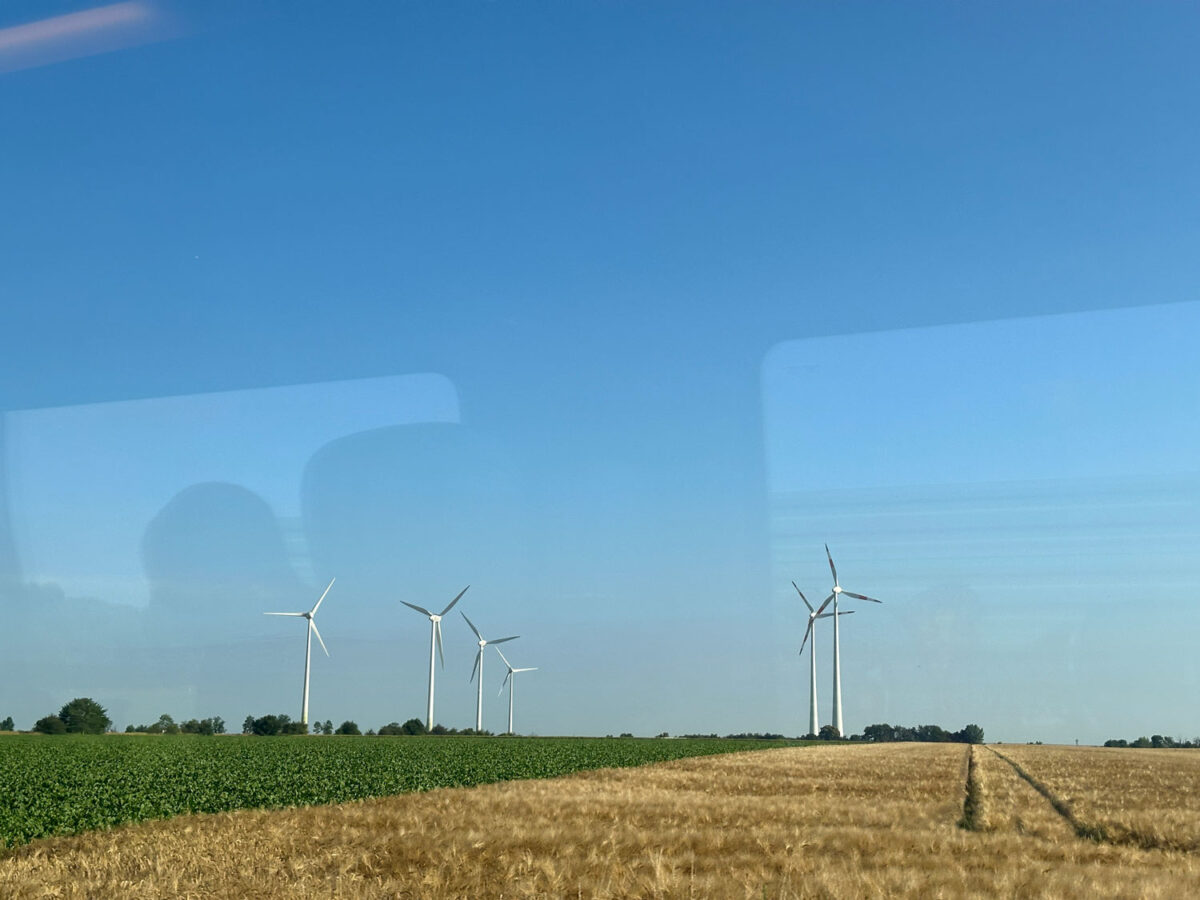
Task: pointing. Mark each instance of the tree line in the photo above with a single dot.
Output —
(884, 733)
(83, 715)
(1157, 741)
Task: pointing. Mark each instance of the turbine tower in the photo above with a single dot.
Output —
(813, 615)
(512, 684)
(479, 667)
(435, 640)
(837, 667)
(312, 629)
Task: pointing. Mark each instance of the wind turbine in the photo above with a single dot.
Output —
(837, 668)
(435, 640)
(479, 666)
(813, 615)
(512, 684)
(312, 629)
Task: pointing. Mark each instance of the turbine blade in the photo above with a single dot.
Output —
(283, 614)
(503, 657)
(319, 602)
(419, 609)
(802, 597)
(472, 624)
(504, 682)
(529, 669)
(861, 597)
(475, 668)
(845, 612)
(502, 640)
(455, 600)
(828, 600)
(437, 630)
(313, 626)
(832, 567)
(807, 632)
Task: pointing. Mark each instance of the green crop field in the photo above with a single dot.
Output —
(63, 785)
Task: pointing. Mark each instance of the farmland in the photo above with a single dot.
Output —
(64, 785)
(823, 821)
(1143, 798)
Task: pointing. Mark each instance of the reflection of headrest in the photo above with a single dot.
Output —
(215, 545)
(85, 481)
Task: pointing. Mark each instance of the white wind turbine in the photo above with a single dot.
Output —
(435, 640)
(813, 615)
(512, 684)
(837, 668)
(479, 666)
(312, 629)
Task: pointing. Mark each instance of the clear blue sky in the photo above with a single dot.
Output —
(660, 294)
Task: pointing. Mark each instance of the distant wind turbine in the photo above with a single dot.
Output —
(479, 667)
(837, 668)
(435, 640)
(512, 685)
(813, 615)
(312, 629)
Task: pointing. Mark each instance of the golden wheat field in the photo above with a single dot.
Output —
(838, 821)
(1151, 799)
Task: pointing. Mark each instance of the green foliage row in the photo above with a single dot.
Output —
(1156, 741)
(884, 733)
(167, 725)
(77, 783)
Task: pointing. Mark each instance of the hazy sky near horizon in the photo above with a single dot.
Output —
(618, 313)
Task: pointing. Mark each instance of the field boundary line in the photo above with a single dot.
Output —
(1094, 832)
(972, 817)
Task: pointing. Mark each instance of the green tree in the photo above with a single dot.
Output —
(268, 725)
(881, 733)
(392, 728)
(413, 726)
(50, 725)
(84, 715)
(7, 724)
(248, 725)
(829, 733)
(327, 727)
(348, 727)
(971, 734)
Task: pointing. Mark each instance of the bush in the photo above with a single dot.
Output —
(348, 727)
(50, 725)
